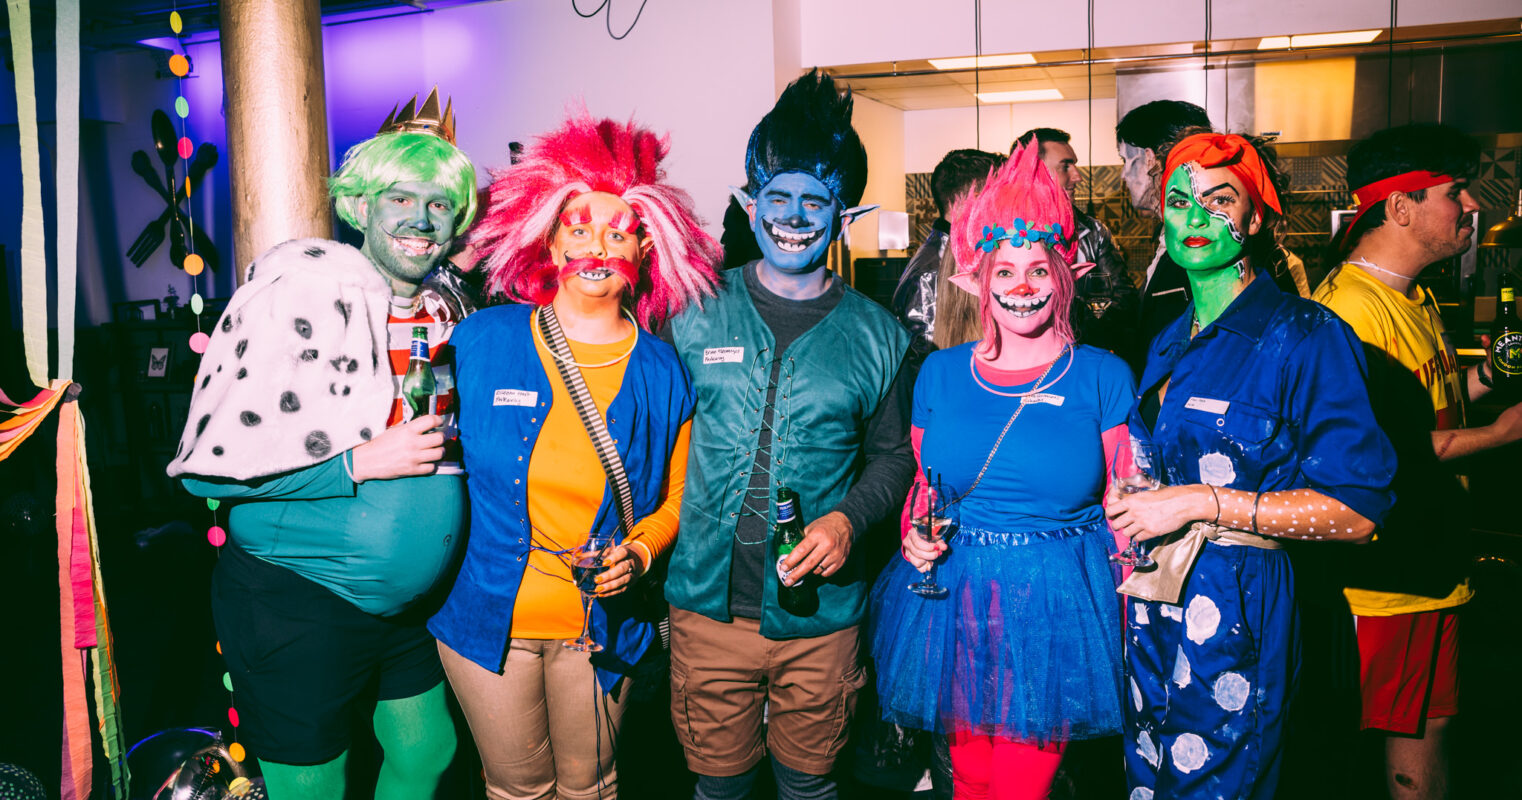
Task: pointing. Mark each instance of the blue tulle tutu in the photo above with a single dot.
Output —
(1026, 645)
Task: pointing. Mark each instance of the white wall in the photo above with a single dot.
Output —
(881, 129)
(929, 135)
(862, 31)
(700, 69)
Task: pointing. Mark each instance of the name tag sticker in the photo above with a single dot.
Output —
(514, 397)
(1207, 405)
(723, 355)
(1043, 397)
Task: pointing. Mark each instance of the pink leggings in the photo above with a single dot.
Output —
(995, 768)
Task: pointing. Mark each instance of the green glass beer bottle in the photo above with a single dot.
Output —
(417, 383)
(802, 598)
(1506, 338)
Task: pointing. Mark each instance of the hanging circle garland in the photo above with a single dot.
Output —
(194, 265)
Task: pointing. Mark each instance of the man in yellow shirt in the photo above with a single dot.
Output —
(1414, 210)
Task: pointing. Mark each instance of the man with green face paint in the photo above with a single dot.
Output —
(1255, 403)
(345, 512)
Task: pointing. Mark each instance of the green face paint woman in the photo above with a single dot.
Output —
(1208, 217)
(1262, 431)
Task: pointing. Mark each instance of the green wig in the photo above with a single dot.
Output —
(377, 163)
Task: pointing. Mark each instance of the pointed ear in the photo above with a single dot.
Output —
(851, 215)
(966, 281)
(1081, 269)
(746, 201)
(362, 208)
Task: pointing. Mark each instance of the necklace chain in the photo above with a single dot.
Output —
(972, 363)
(539, 339)
(1367, 264)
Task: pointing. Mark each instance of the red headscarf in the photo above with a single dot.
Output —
(1234, 153)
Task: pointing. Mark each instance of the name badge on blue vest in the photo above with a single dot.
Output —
(514, 397)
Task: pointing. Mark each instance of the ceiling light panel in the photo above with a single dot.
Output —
(984, 62)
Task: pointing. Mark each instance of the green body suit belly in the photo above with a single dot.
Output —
(381, 545)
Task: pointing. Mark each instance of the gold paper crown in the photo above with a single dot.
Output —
(424, 120)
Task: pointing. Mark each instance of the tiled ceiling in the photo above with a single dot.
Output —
(914, 85)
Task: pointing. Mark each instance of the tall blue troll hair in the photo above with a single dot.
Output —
(809, 131)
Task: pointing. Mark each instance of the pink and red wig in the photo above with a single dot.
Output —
(587, 155)
(1019, 205)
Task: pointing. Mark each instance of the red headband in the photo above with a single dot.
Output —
(1367, 197)
(1234, 153)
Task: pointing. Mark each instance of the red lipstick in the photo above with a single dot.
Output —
(1195, 241)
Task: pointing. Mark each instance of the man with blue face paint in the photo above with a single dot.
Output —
(799, 385)
(345, 513)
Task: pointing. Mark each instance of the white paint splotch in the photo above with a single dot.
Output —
(1136, 698)
(1216, 469)
(1140, 793)
(1146, 748)
(1202, 619)
(1173, 612)
(1181, 674)
(1189, 752)
(1231, 691)
(1141, 614)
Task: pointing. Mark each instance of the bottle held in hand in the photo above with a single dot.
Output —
(802, 598)
(417, 383)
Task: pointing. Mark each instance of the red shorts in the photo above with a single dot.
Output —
(1409, 669)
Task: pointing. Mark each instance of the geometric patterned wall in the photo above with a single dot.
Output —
(1317, 186)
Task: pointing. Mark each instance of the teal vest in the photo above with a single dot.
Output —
(830, 384)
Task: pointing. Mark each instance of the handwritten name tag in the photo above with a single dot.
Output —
(723, 355)
(1043, 397)
(1207, 405)
(514, 397)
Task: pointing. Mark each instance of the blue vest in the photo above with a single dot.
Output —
(833, 377)
(504, 395)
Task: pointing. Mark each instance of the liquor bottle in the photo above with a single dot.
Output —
(1506, 338)
(417, 383)
(802, 598)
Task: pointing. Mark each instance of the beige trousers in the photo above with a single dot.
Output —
(544, 729)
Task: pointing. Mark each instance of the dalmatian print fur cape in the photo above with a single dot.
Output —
(297, 370)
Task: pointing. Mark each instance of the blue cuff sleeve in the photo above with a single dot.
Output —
(1344, 454)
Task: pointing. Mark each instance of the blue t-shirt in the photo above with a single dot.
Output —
(1049, 472)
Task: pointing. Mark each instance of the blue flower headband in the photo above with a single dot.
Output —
(1020, 235)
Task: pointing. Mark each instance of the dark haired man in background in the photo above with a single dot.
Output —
(914, 298)
(1104, 311)
(1142, 136)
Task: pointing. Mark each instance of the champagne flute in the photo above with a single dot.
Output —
(1134, 469)
(586, 564)
(928, 526)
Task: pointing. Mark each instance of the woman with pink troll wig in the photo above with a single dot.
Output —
(1022, 652)
(575, 425)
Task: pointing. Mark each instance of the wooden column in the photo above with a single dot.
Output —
(277, 127)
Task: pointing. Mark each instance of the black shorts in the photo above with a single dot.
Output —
(302, 659)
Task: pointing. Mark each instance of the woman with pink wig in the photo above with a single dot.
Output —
(1023, 653)
(574, 421)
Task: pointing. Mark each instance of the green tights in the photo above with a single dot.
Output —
(417, 740)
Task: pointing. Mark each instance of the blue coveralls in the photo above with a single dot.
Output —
(1268, 397)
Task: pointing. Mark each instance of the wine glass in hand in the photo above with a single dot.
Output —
(928, 522)
(1134, 469)
(587, 562)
